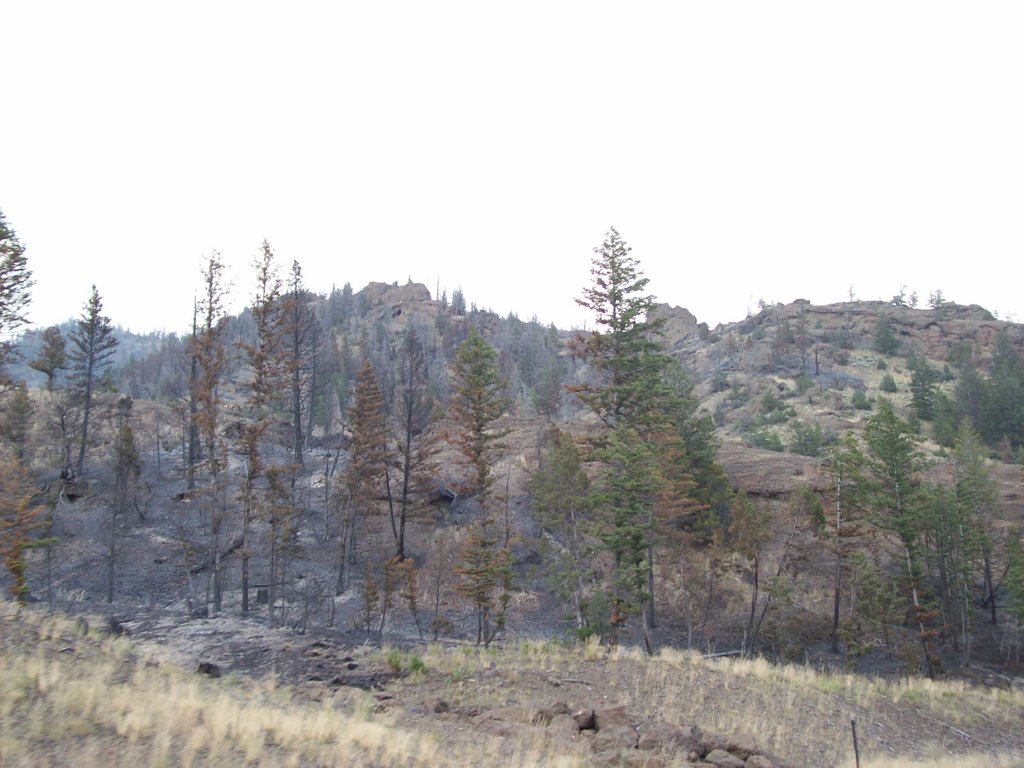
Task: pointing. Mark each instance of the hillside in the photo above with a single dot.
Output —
(87, 693)
(770, 396)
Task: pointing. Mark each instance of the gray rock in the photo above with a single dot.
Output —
(723, 759)
(564, 727)
(668, 736)
(607, 716)
(615, 737)
(742, 745)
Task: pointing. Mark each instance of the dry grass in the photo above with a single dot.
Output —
(69, 697)
(109, 703)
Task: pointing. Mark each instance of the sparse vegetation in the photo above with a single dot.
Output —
(339, 458)
(105, 700)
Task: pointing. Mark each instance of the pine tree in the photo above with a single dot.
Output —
(477, 403)
(845, 465)
(560, 499)
(369, 456)
(895, 463)
(885, 339)
(303, 341)
(626, 354)
(94, 344)
(415, 446)
(127, 469)
(486, 579)
(633, 395)
(19, 517)
(751, 532)
(15, 283)
(265, 357)
(17, 418)
(624, 500)
(975, 494)
(210, 356)
(923, 388)
(52, 356)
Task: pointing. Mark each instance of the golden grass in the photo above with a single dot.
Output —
(113, 704)
(73, 697)
(971, 761)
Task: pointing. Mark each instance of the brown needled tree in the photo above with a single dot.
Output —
(94, 344)
(210, 356)
(19, 517)
(265, 358)
(369, 457)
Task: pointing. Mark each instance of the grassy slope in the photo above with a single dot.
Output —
(73, 697)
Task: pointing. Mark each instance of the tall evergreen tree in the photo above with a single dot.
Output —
(626, 352)
(624, 500)
(1002, 412)
(127, 469)
(895, 462)
(560, 491)
(304, 338)
(845, 465)
(975, 492)
(415, 447)
(93, 345)
(265, 357)
(632, 393)
(369, 455)
(15, 283)
(477, 403)
(924, 382)
(210, 356)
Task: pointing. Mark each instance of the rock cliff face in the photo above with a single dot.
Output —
(398, 306)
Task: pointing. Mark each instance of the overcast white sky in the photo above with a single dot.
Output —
(746, 150)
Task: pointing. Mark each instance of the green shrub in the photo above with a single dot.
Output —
(888, 383)
(860, 400)
(767, 439)
(807, 439)
(774, 410)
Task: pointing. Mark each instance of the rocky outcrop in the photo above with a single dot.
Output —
(617, 737)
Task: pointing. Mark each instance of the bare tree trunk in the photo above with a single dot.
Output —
(991, 596)
(917, 610)
(193, 406)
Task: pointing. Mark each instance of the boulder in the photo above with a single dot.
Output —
(615, 737)
(436, 705)
(710, 742)
(564, 727)
(608, 716)
(723, 759)
(513, 713)
(759, 761)
(664, 735)
(742, 745)
(548, 711)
